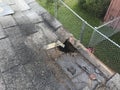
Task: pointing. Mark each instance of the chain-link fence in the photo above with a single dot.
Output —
(99, 40)
(103, 41)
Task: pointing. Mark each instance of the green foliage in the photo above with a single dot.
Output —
(49, 1)
(97, 8)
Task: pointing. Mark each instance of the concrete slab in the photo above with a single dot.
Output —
(9, 2)
(33, 17)
(48, 32)
(15, 36)
(29, 1)
(66, 62)
(2, 83)
(17, 79)
(7, 56)
(7, 21)
(21, 18)
(14, 7)
(37, 8)
(43, 77)
(22, 52)
(114, 83)
(22, 5)
(51, 20)
(5, 9)
(2, 35)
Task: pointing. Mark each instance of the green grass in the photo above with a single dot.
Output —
(105, 51)
(109, 53)
(71, 22)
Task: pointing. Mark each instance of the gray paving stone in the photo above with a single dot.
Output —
(33, 16)
(63, 34)
(17, 79)
(25, 55)
(7, 55)
(14, 7)
(22, 5)
(2, 35)
(15, 36)
(114, 83)
(80, 81)
(24, 23)
(48, 32)
(37, 8)
(53, 22)
(43, 37)
(27, 29)
(9, 2)
(2, 83)
(41, 76)
(7, 21)
(21, 18)
(71, 69)
(6, 9)
(29, 1)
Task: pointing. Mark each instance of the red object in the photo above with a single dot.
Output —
(92, 76)
(90, 49)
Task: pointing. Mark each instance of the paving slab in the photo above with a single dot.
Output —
(2, 35)
(15, 36)
(37, 8)
(114, 83)
(5, 9)
(2, 83)
(53, 22)
(33, 16)
(22, 5)
(9, 2)
(7, 55)
(43, 76)
(17, 79)
(7, 21)
(66, 62)
(29, 1)
(48, 32)
(21, 18)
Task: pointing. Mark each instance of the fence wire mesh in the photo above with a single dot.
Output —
(104, 48)
(69, 21)
(109, 29)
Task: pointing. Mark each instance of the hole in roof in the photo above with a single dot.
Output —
(69, 48)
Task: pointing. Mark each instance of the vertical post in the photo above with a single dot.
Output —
(91, 43)
(55, 8)
(82, 31)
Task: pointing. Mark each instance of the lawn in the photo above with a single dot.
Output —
(70, 21)
(105, 51)
(109, 53)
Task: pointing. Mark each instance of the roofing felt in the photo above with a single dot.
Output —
(25, 63)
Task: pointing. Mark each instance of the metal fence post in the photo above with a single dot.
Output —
(82, 31)
(55, 8)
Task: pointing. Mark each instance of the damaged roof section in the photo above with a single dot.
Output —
(37, 53)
